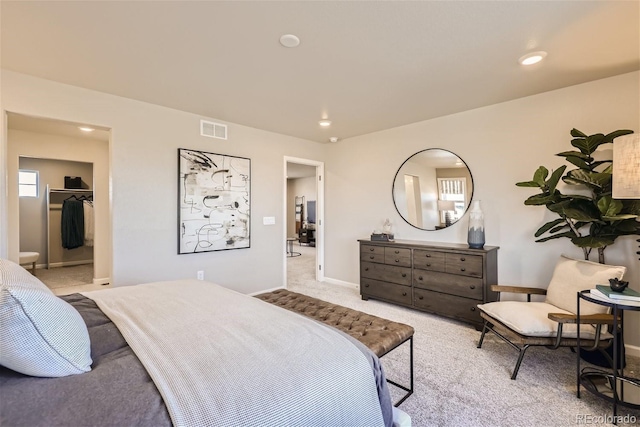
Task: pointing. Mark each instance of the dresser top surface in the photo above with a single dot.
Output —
(422, 244)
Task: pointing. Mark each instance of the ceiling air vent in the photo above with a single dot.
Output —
(213, 130)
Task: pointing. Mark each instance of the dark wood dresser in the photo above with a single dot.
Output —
(448, 279)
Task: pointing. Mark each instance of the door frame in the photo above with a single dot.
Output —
(319, 214)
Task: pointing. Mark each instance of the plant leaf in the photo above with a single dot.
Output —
(576, 133)
(593, 180)
(608, 206)
(527, 184)
(540, 199)
(555, 177)
(548, 225)
(573, 154)
(613, 135)
(578, 162)
(568, 234)
(540, 175)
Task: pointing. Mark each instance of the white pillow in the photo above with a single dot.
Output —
(571, 276)
(40, 334)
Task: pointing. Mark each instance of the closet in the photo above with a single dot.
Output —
(55, 201)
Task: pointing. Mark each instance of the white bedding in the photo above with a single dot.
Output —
(222, 358)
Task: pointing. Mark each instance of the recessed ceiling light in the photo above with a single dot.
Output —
(333, 139)
(325, 123)
(289, 40)
(532, 58)
(86, 129)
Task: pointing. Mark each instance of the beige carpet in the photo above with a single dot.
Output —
(457, 384)
(61, 277)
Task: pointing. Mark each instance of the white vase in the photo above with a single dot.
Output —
(475, 237)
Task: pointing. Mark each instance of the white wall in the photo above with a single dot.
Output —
(143, 153)
(502, 144)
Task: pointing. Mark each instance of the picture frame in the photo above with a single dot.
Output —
(214, 202)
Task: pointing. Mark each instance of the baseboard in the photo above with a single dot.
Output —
(632, 350)
(69, 263)
(252, 294)
(101, 281)
(341, 283)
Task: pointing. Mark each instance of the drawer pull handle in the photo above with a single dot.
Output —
(404, 294)
(397, 252)
(419, 277)
(462, 259)
(366, 286)
(428, 264)
(420, 297)
(428, 255)
(473, 309)
(463, 269)
(404, 274)
(371, 249)
(372, 257)
(472, 287)
(397, 260)
(366, 269)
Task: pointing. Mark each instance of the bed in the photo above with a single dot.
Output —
(177, 353)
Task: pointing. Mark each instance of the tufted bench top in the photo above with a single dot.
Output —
(380, 335)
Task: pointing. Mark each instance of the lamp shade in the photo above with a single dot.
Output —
(626, 167)
(446, 205)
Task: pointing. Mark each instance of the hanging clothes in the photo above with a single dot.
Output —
(88, 222)
(72, 224)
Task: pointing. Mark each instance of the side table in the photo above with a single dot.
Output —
(597, 381)
(290, 251)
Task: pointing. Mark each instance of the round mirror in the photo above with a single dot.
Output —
(432, 189)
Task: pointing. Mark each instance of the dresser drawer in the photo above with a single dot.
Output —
(428, 260)
(466, 265)
(388, 291)
(372, 253)
(448, 305)
(464, 286)
(397, 256)
(386, 273)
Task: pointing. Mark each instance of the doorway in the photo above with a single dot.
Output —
(66, 166)
(303, 220)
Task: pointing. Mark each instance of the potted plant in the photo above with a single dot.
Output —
(592, 219)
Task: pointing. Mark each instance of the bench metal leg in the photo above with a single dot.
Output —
(409, 389)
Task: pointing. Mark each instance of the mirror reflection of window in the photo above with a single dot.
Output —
(453, 189)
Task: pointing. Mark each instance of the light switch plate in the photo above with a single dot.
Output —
(268, 220)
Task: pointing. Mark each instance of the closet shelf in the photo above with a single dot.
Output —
(69, 190)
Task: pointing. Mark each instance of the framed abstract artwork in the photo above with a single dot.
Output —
(214, 202)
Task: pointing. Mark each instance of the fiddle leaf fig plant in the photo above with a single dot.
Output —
(591, 219)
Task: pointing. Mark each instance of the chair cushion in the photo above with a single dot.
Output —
(571, 276)
(531, 319)
(41, 335)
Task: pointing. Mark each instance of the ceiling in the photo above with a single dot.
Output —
(55, 127)
(364, 65)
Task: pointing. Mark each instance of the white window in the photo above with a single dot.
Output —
(27, 183)
(453, 189)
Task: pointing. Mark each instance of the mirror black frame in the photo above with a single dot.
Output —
(395, 178)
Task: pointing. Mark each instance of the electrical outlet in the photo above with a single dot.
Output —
(200, 275)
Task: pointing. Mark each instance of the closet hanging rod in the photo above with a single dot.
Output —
(69, 190)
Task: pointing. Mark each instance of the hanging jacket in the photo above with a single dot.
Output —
(72, 225)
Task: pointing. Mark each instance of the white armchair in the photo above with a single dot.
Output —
(552, 323)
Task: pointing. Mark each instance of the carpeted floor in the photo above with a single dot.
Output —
(60, 277)
(457, 384)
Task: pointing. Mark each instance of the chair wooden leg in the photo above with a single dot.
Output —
(33, 268)
(515, 371)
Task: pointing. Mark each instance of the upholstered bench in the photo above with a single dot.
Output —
(30, 258)
(380, 335)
